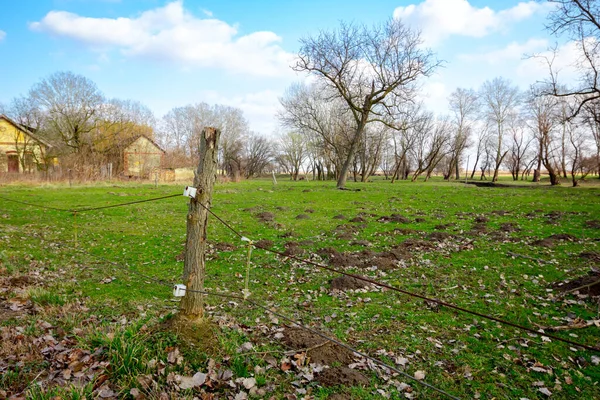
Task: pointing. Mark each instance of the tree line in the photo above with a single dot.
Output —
(360, 115)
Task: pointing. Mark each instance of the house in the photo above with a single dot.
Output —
(141, 157)
(20, 149)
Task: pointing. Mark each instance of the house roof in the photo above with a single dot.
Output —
(26, 130)
(132, 139)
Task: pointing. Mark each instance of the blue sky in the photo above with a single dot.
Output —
(169, 53)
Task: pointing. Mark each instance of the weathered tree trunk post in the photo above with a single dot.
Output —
(192, 304)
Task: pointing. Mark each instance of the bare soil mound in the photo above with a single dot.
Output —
(342, 376)
(548, 242)
(594, 224)
(394, 218)
(318, 349)
(347, 283)
(509, 227)
(590, 255)
(564, 237)
(587, 284)
(265, 216)
(264, 244)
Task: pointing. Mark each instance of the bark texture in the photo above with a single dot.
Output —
(192, 304)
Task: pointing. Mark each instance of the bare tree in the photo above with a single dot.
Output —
(543, 113)
(410, 120)
(464, 104)
(371, 69)
(591, 118)
(292, 153)
(71, 103)
(579, 20)
(499, 100)
(520, 142)
(430, 146)
(323, 121)
(258, 155)
(579, 168)
(181, 128)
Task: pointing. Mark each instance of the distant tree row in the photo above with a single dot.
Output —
(359, 116)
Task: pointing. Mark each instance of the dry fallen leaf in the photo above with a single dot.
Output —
(420, 375)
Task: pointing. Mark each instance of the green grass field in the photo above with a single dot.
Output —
(75, 281)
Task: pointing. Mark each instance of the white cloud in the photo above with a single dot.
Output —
(260, 108)
(513, 51)
(2, 35)
(172, 33)
(567, 61)
(439, 19)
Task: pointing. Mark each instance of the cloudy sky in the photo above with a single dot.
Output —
(169, 53)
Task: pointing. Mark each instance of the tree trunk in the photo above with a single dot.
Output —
(192, 304)
(341, 183)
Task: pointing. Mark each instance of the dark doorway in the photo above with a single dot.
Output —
(13, 163)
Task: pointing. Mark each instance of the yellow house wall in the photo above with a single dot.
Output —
(14, 141)
(142, 157)
(10, 138)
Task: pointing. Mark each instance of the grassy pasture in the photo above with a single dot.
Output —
(451, 241)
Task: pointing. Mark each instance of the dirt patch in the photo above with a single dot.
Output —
(501, 213)
(342, 376)
(439, 236)
(443, 227)
(479, 228)
(336, 258)
(420, 220)
(265, 216)
(201, 335)
(594, 224)
(366, 258)
(302, 216)
(309, 211)
(340, 216)
(394, 218)
(509, 227)
(564, 237)
(481, 219)
(358, 219)
(364, 243)
(590, 255)
(416, 245)
(264, 244)
(589, 284)
(293, 249)
(223, 246)
(549, 243)
(281, 208)
(346, 232)
(21, 281)
(347, 283)
(319, 350)
(306, 243)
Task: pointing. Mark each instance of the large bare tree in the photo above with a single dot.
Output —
(72, 104)
(322, 119)
(500, 99)
(370, 68)
(579, 21)
(464, 104)
(543, 112)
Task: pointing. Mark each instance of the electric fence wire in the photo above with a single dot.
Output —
(89, 208)
(399, 290)
(325, 267)
(269, 310)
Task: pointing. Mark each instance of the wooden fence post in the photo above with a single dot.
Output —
(192, 304)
